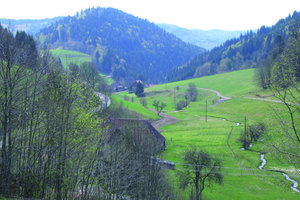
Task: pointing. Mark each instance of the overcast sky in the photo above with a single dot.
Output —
(192, 14)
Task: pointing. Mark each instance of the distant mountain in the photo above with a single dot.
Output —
(206, 39)
(30, 26)
(250, 50)
(120, 44)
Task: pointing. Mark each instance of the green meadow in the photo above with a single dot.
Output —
(219, 135)
(68, 57)
(133, 106)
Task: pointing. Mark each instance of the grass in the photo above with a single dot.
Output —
(136, 107)
(242, 178)
(67, 57)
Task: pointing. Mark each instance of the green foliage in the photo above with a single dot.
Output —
(180, 105)
(248, 51)
(131, 110)
(89, 74)
(139, 90)
(242, 178)
(256, 131)
(120, 44)
(191, 93)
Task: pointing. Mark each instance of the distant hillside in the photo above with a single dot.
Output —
(120, 44)
(248, 51)
(206, 39)
(31, 26)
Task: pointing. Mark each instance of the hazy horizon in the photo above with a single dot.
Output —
(229, 15)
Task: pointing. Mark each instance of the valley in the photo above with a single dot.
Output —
(107, 105)
(225, 122)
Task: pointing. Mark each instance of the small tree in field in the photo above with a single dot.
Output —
(159, 106)
(191, 93)
(143, 102)
(200, 167)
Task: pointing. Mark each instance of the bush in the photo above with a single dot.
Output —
(253, 133)
(191, 93)
(181, 104)
(256, 130)
(143, 102)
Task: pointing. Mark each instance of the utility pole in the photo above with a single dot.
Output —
(206, 112)
(245, 132)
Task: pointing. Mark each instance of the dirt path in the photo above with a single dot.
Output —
(262, 99)
(163, 121)
(228, 145)
(167, 120)
(222, 98)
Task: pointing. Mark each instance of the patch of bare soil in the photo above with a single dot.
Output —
(163, 121)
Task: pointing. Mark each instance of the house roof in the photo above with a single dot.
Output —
(137, 125)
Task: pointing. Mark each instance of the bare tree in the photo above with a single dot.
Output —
(285, 85)
(199, 167)
(159, 106)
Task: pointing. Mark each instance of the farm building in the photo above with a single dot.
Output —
(140, 128)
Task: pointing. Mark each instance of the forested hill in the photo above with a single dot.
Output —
(120, 44)
(248, 51)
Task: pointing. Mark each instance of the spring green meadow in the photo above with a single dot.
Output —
(219, 135)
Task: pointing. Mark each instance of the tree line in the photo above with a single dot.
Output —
(250, 50)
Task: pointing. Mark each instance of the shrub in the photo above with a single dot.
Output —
(181, 104)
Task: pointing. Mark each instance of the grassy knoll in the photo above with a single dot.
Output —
(242, 178)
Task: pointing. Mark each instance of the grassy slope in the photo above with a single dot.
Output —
(145, 113)
(242, 178)
(67, 57)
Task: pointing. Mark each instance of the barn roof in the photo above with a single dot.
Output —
(137, 124)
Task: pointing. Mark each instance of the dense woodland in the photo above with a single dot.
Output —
(250, 50)
(52, 139)
(125, 46)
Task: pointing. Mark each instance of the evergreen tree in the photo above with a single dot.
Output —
(139, 90)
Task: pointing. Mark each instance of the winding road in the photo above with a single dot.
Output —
(222, 98)
(167, 120)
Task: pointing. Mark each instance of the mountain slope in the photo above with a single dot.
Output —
(206, 39)
(120, 44)
(31, 26)
(248, 51)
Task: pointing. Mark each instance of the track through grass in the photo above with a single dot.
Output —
(242, 178)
